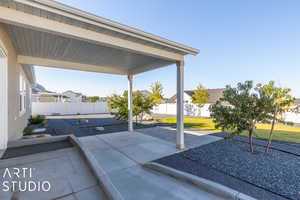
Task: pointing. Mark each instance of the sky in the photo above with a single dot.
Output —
(238, 40)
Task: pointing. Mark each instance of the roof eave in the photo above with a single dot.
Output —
(121, 28)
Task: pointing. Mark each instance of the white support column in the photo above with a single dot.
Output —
(130, 120)
(180, 104)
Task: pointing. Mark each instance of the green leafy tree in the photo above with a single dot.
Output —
(239, 110)
(276, 101)
(157, 93)
(200, 96)
(93, 99)
(142, 104)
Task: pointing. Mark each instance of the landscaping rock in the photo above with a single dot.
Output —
(230, 163)
(100, 128)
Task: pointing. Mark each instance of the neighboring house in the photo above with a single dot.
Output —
(74, 96)
(190, 109)
(213, 95)
(40, 94)
(297, 105)
(49, 97)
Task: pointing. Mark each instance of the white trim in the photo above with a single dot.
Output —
(3, 100)
(23, 86)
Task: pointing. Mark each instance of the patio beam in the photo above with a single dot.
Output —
(180, 103)
(28, 60)
(130, 108)
(54, 27)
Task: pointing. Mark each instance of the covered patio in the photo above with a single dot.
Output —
(47, 33)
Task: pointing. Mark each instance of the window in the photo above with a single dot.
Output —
(22, 94)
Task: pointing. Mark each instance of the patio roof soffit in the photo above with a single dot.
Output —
(28, 60)
(50, 26)
(92, 20)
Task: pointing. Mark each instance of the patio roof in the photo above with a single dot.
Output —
(48, 33)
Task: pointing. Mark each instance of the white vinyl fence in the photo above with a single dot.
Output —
(193, 110)
(48, 108)
(189, 110)
(292, 117)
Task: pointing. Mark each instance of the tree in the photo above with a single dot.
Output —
(239, 110)
(93, 99)
(141, 104)
(200, 96)
(277, 101)
(156, 93)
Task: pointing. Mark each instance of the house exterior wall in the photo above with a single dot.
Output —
(16, 121)
(74, 98)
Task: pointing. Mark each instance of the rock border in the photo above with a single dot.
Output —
(210, 186)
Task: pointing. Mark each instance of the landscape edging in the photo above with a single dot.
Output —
(202, 183)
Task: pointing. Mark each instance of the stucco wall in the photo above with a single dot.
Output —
(16, 122)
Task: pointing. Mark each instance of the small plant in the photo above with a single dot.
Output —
(37, 119)
(78, 113)
(44, 123)
(28, 130)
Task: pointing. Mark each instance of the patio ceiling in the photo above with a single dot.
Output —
(48, 33)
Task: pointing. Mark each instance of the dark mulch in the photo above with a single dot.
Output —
(289, 147)
(36, 148)
(74, 127)
(275, 176)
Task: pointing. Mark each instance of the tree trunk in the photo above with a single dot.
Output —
(251, 140)
(271, 133)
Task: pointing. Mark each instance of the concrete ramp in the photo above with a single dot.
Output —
(120, 157)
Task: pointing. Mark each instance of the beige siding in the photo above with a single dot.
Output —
(16, 122)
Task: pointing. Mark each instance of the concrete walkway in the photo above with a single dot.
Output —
(121, 154)
(66, 170)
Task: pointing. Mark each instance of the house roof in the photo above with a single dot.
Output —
(91, 20)
(213, 95)
(51, 34)
(75, 93)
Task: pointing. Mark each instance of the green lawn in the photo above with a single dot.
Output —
(281, 133)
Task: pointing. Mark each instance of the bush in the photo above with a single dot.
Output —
(28, 130)
(37, 119)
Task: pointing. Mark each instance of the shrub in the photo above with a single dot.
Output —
(37, 119)
(28, 130)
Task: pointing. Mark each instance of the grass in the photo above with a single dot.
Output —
(281, 132)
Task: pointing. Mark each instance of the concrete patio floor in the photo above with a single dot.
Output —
(122, 154)
(65, 169)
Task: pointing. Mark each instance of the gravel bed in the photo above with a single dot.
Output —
(275, 176)
(72, 126)
(282, 146)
